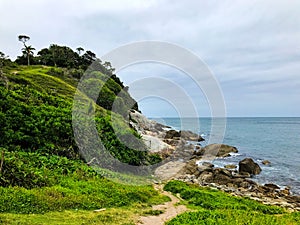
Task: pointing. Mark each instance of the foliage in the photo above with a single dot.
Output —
(27, 50)
(72, 193)
(32, 170)
(215, 207)
(43, 170)
(36, 117)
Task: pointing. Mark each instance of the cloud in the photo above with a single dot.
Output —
(253, 47)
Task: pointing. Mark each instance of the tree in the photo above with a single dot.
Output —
(23, 38)
(79, 50)
(4, 61)
(45, 57)
(27, 50)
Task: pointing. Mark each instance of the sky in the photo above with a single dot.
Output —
(252, 48)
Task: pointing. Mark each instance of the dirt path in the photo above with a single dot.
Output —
(170, 210)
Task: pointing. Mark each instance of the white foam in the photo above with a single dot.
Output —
(232, 154)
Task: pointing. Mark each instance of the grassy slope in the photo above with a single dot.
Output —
(215, 207)
(43, 180)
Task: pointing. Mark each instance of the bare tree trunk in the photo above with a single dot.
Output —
(28, 59)
(2, 160)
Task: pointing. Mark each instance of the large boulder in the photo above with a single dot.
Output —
(218, 150)
(249, 166)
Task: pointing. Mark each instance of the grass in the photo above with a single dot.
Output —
(74, 199)
(117, 216)
(77, 190)
(215, 207)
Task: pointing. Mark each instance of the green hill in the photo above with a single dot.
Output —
(42, 169)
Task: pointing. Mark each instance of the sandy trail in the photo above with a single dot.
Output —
(170, 210)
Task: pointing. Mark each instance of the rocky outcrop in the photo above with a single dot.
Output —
(218, 150)
(249, 166)
(237, 184)
(143, 125)
(158, 138)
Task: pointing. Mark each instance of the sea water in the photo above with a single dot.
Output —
(273, 139)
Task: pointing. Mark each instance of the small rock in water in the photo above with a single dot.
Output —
(266, 162)
(208, 164)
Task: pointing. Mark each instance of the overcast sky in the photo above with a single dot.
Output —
(251, 47)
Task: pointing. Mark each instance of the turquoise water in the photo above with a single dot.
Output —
(273, 139)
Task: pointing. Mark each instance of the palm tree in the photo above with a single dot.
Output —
(27, 52)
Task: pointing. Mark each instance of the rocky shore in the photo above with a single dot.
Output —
(186, 160)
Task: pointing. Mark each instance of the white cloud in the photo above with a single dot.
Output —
(253, 47)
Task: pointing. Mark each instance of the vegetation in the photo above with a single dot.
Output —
(28, 49)
(36, 115)
(42, 171)
(215, 207)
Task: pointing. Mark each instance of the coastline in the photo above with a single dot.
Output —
(182, 161)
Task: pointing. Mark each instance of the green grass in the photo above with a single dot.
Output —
(115, 216)
(215, 207)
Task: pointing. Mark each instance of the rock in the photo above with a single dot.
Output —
(160, 127)
(244, 184)
(230, 166)
(202, 168)
(266, 162)
(221, 178)
(155, 144)
(171, 134)
(218, 150)
(190, 167)
(249, 166)
(293, 199)
(190, 136)
(197, 147)
(285, 191)
(223, 171)
(242, 175)
(272, 186)
(206, 177)
(208, 164)
(174, 142)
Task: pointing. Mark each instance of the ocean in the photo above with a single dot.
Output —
(273, 139)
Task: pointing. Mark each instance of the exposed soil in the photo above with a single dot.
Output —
(171, 210)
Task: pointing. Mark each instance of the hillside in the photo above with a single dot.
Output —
(42, 169)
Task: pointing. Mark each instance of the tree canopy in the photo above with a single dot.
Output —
(27, 50)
